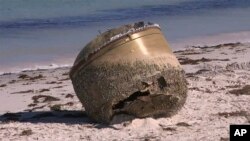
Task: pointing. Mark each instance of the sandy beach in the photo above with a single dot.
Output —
(42, 105)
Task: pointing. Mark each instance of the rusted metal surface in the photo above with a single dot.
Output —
(129, 70)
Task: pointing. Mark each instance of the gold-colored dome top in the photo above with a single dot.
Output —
(108, 37)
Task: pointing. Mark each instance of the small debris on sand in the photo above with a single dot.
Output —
(22, 92)
(32, 105)
(27, 77)
(5, 74)
(197, 72)
(69, 96)
(51, 82)
(57, 87)
(233, 86)
(35, 108)
(12, 81)
(224, 139)
(43, 90)
(26, 132)
(56, 107)
(233, 114)
(23, 76)
(44, 98)
(183, 124)
(36, 77)
(168, 129)
(188, 61)
(243, 91)
(65, 79)
(66, 73)
(3, 85)
(69, 104)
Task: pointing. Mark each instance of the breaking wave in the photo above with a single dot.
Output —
(83, 14)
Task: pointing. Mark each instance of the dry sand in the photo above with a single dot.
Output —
(42, 105)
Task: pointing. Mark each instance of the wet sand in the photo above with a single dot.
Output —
(42, 105)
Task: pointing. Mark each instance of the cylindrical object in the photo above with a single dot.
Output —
(131, 70)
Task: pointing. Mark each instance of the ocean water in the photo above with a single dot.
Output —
(41, 33)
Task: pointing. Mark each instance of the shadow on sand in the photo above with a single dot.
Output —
(66, 117)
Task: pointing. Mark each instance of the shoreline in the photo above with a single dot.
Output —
(42, 105)
(203, 41)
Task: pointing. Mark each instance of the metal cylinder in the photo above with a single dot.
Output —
(131, 70)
